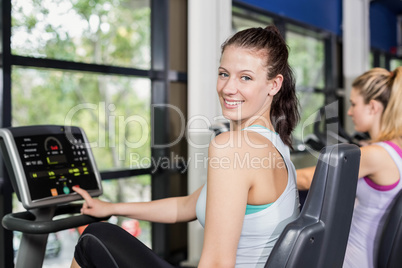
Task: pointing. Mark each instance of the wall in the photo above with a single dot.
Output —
(209, 24)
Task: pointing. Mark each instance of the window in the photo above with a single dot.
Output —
(113, 110)
(101, 32)
(89, 63)
(380, 59)
(395, 63)
(243, 19)
(307, 59)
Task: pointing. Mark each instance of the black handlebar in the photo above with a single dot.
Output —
(26, 221)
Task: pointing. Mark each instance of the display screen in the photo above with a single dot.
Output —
(55, 162)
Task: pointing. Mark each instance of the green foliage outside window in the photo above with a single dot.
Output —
(102, 32)
(395, 63)
(307, 61)
(113, 110)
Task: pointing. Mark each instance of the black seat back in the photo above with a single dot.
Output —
(390, 249)
(318, 237)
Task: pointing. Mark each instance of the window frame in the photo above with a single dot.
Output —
(332, 61)
(160, 75)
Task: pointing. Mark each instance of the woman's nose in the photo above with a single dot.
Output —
(229, 88)
(350, 111)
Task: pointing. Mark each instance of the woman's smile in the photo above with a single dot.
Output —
(231, 104)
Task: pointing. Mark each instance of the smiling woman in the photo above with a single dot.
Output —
(257, 67)
(242, 85)
(251, 194)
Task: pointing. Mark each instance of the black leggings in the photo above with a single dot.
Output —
(107, 245)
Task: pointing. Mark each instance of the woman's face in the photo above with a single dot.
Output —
(360, 112)
(242, 84)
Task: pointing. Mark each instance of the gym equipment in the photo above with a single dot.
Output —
(44, 163)
(318, 237)
(328, 131)
(389, 251)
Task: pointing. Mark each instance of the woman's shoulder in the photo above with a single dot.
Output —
(240, 141)
(374, 155)
(377, 163)
(373, 150)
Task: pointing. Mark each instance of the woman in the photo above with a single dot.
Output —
(251, 193)
(375, 108)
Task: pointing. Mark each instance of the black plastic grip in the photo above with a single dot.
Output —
(26, 221)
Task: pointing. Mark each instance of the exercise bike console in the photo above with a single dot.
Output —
(44, 163)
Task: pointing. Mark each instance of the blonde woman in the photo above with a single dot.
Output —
(376, 108)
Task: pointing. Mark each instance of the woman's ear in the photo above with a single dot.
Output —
(276, 85)
(376, 106)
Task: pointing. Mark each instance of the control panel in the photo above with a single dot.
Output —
(45, 162)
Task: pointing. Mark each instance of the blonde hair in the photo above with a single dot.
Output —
(386, 87)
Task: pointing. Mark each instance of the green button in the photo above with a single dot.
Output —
(66, 190)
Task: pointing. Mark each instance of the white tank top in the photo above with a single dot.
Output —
(371, 208)
(261, 230)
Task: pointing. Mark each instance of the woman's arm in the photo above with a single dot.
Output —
(227, 193)
(168, 210)
(375, 163)
(368, 165)
(304, 177)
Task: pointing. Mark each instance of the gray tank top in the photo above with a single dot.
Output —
(261, 230)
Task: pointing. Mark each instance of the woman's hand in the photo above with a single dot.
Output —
(94, 207)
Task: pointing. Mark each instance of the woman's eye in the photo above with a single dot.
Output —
(246, 78)
(223, 75)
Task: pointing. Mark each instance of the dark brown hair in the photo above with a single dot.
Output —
(284, 111)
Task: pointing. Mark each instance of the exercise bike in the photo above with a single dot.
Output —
(43, 164)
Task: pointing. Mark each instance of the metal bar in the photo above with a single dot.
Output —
(159, 115)
(6, 237)
(174, 76)
(78, 66)
(108, 175)
(331, 65)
